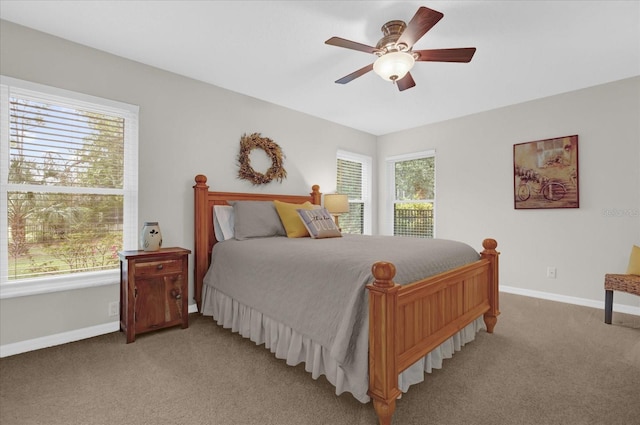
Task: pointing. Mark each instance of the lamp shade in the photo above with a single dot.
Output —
(393, 66)
(336, 203)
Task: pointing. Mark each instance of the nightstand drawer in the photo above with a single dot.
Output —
(156, 268)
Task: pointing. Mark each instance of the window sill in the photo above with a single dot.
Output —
(59, 283)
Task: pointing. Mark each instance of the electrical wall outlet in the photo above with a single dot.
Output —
(114, 308)
(551, 272)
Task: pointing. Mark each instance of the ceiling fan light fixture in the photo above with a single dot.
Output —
(394, 51)
(393, 66)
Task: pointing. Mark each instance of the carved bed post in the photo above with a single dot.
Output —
(201, 240)
(383, 365)
(316, 196)
(490, 253)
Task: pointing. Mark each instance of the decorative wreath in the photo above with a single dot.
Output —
(249, 143)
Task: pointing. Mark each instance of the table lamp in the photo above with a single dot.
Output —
(336, 204)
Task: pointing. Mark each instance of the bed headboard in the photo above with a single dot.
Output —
(204, 238)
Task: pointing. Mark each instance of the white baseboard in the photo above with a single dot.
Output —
(65, 337)
(57, 339)
(90, 332)
(621, 308)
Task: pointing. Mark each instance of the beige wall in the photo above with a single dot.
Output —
(186, 128)
(474, 181)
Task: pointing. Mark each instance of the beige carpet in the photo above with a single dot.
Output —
(547, 363)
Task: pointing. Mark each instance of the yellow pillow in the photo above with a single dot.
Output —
(291, 221)
(634, 261)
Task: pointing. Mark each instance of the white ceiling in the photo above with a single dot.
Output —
(275, 51)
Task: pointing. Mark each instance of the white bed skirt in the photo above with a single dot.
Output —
(295, 348)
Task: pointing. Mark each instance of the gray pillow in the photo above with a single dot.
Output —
(256, 219)
(319, 223)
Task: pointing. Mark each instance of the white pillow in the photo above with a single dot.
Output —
(223, 222)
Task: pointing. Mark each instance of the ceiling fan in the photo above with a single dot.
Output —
(395, 51)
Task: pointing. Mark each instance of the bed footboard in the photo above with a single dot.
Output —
(407, 322)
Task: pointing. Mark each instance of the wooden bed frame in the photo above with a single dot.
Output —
(406, 322)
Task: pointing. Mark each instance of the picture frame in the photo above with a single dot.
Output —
(545, 174)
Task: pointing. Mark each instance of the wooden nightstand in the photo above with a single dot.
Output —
(153, 290)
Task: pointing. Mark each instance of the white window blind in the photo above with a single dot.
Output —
(69, 174)
(354, 180)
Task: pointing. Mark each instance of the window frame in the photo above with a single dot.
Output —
(367, 181)
(69, 281)
(391, 162)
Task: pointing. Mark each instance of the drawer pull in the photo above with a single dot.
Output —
(160, 267)
(178, 296)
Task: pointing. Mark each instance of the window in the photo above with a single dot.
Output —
(413, 186)
(68, 166)
(354, 180)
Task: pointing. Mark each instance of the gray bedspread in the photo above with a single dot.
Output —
(317, 286)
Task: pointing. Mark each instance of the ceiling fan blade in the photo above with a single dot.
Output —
(348, 44)
(422, 21)
(405, 82)
(446, 55)
(355, 74)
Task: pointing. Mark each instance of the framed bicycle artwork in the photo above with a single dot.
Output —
(545, 173)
